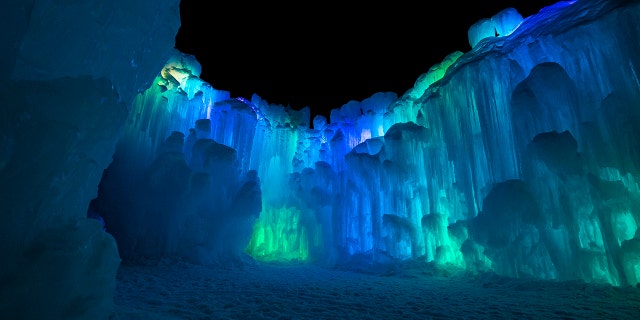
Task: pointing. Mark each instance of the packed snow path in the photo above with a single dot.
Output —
(168, 290)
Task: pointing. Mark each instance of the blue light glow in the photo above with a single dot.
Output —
(493, 161)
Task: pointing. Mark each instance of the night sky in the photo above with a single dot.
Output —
(322, 56)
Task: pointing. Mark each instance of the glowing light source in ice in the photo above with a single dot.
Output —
(279, 236)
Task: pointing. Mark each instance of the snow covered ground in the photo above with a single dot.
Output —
(179, 290)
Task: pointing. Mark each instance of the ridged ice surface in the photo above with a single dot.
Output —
(520, 157)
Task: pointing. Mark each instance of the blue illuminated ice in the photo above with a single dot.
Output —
(518, 157)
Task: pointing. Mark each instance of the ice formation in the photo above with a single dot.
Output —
(518, 157)
(521, 156)
(69, 73)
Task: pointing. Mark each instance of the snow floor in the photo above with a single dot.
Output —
(180, 290)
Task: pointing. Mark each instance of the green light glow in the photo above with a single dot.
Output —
(442, 246)
(437, 71)
(279, 236)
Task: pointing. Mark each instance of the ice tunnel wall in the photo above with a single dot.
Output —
(69, 72)
(519, 157)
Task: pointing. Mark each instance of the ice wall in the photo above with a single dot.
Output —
(518, 157)
(501, 162)
(180, 184)
(69, 72)
(151, 197)
(523, 120)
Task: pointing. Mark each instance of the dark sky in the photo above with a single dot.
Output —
(323, 56)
